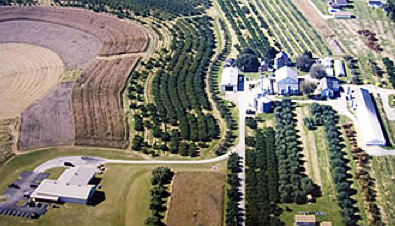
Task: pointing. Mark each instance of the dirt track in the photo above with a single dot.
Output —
(26, 74)
(48, 122)
(75, 47)
(96, 102)
(196, 199)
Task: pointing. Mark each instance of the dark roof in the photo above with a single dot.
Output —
(379, 3)
(329, 83)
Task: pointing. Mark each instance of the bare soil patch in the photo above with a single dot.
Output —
(48, 122)
(196, 199)
(75, 47)
(97, 106)
(26, 74)
(117, 36)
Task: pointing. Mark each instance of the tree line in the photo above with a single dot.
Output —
(161, 178)
(327, 117)
(233, 216)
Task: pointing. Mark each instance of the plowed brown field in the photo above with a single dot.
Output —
(48, 122)
(117, 36)
(96, 102)
(196, 199)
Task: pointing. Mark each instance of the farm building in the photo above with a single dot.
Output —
(367, 118)
(329, 87)
(71, 187)
(339, 68)
(326, 223)
(287, 81)
(305, 220)
(231, 62)
(262, 103)
(281, 60)
(375, 4)
(264, 66)
(342, 15)
(337, 3)
(229, 79)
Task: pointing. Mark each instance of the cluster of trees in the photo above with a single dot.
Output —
(326, 116)
(222, 105)
(390, 9)
(247, 61)
(390, 68)
(240, 21)
(353, 65)
(305, 61)
(294, 184)
(163, 9)
(233, 215)
(262, 181)
(161, 178)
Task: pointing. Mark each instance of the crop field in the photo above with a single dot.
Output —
(96, 102)
(196, 199)
(117, 37)
(26, 74)
(48, 122)
(75, 47)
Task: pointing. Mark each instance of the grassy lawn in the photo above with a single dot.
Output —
(322, 5)
(126, 189)
(54, 173)
(391, 100)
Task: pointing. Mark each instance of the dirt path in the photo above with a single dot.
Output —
(309, 149)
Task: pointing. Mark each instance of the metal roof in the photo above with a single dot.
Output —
(229, 76)
(367, 118)
(286, 72)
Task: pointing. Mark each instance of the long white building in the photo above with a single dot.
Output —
(367, 119)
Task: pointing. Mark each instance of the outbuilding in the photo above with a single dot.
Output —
(329, 87)
(368, 120)
(229, 79)
(342, 15)
(339, 68)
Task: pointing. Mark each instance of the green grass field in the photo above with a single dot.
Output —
(54, 173)
(126, 189)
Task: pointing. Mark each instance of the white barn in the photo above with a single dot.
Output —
(71, 187)
(229, 79)
(368, 121)
(287, 81)
(339, 68)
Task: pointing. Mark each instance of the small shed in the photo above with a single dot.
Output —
(342, 15)
(375, 4)
(231, 62)
(305, 220)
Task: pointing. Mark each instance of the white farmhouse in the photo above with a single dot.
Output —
(287, 81)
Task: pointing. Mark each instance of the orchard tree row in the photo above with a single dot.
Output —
(163, 9)
(240, 21)
(262, 180)
(161, 178)
(222, 105)
(294, 184)
(326, 116)
(233, 216)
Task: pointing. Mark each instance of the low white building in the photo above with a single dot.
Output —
(71, 187)
(229, 79)
(367, 119)
(339, 68)
(287, 81)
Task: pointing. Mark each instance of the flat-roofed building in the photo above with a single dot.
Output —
(367, 119)
(305, 220)
(229, 79)
(71, 187)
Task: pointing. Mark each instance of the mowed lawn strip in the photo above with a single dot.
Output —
(196, 199)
